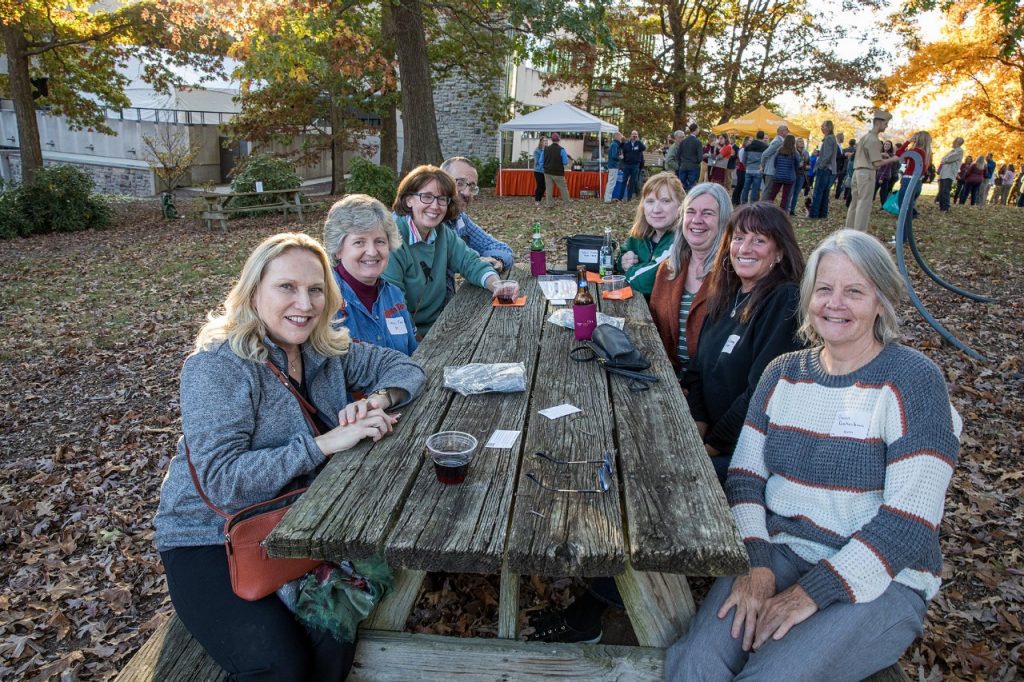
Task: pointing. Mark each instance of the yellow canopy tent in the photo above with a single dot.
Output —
(759, 119)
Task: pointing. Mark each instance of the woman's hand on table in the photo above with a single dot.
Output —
(374, 424)
(781, 612)
(749, 594)
(359, 409)
(629, 259)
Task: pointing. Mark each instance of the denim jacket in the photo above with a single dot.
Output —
(388, 324)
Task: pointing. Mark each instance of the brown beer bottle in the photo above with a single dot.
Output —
(584, 312)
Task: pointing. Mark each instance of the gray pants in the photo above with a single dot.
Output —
(842, 642)
(551, 181)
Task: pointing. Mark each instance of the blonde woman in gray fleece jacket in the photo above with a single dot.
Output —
(249, 441)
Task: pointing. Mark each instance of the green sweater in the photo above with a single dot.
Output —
(420, 269)
(641, 275)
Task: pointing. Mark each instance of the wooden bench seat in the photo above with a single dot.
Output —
(171, 655)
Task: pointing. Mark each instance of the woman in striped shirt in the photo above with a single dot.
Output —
(837, 487)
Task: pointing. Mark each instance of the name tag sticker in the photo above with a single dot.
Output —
(730, 343)
(396, 325)
(851, 424)
(587, 256)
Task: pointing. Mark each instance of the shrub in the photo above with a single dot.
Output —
(486, 170)
(369, 178)
(59, 199)
(275, 173)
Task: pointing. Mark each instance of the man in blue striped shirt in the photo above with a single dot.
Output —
(496, 253)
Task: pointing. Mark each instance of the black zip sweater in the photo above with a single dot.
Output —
(723, 376)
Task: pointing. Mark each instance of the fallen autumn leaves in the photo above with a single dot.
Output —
(97, 324)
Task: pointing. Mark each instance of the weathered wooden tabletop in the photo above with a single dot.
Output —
(664, 513)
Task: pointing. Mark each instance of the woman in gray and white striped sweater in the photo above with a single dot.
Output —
(837, 486)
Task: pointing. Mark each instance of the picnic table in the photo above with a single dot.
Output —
(665, 516)
(218, 205)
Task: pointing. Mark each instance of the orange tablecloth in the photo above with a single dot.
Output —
(517, 182)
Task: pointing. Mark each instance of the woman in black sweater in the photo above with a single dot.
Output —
(752, 304)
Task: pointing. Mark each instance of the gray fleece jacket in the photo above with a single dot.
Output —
(246, 433)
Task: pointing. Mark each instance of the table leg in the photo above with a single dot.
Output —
(508, 604)
(392, 613)
(659, 605)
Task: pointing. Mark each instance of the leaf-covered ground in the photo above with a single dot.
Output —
(96, 325)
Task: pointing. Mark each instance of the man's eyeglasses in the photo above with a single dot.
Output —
(604, 473)
(473, 188)
(428, 198)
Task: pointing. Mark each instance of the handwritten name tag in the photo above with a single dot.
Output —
(396, 325)
(851, 424)
(730, 343)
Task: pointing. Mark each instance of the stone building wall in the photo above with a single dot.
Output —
(136, 182)
(459, 127)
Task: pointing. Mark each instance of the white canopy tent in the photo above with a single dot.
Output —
(560, 117)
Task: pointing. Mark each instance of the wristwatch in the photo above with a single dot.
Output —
(384, 393)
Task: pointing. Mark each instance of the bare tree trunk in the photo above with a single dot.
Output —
(418, 117)
(24, 106)
(338, 139)
(389, 138)
(388, 116)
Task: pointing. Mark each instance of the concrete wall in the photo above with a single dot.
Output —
(135, 180)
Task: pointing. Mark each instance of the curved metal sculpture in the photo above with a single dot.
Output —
(905, 235)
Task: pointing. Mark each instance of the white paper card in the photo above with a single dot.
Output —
(851, 424)
(558, 301)
(587, 256)
(560, 411)
(730, 343)
(259, 185)
(396, 325)
(502, 439)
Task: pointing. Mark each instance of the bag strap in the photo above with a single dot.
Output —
(304, 405)
(593, 354)
(638, 381)
(308, 409)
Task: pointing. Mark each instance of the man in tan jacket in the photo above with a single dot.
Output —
(866, 161)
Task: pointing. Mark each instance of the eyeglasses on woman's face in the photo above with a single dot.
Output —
(428, 198)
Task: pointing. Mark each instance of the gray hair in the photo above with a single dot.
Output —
(448, 163)
(872, 259)
(680, 247)
(678, 134)
(357, 214)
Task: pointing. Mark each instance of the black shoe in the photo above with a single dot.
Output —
(551, 626)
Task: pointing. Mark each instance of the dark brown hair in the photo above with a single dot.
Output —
(416, 180)
(788, 145)
(771, 221)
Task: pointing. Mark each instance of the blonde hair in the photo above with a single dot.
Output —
(641, 228)
(357, 214)
(240, 325)
(923, 140)
(874, 262)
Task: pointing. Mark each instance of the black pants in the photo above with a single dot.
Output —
(538, 194)
(737, 191)
(944, 188)
(252, 640)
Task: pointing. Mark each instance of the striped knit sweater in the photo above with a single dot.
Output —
(849, 471)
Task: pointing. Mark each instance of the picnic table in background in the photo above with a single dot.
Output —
(219, 205)
(519, 182)
(664, 517)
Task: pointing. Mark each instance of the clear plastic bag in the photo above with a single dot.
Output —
(563, 318)
(501, 377)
